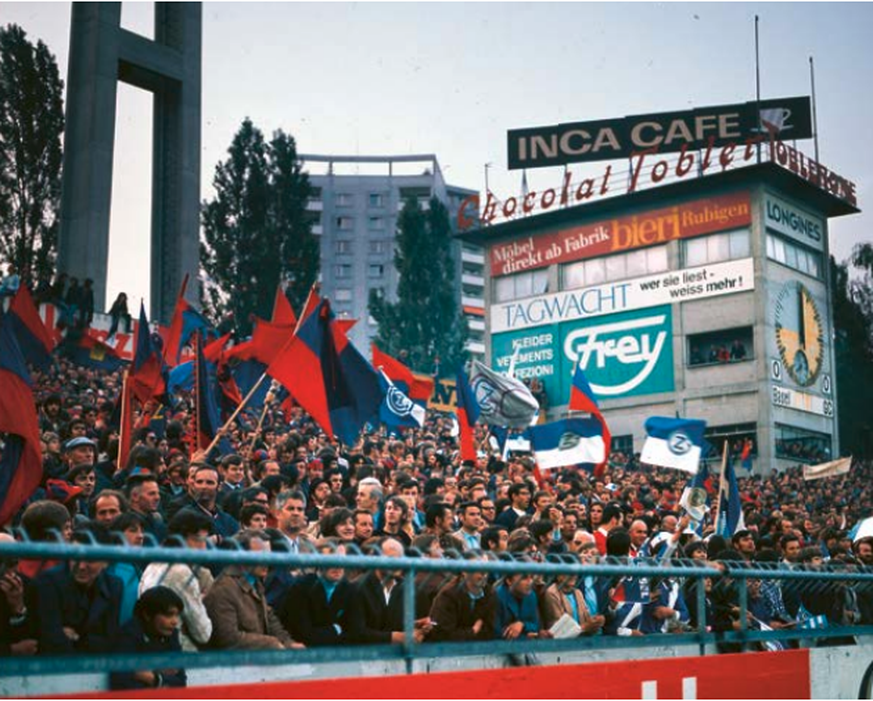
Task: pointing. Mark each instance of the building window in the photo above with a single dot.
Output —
(342, 246)
(736, 436)
(378, 246)
(342, 270)
(623, 444)
(527, 284)
(376, 223)
(343, 295)
(375, 270)
(721, 347)
(585, 273)
(377, 199)
(378, 291)
(794, 256)
(345, 223)
(728, 245)
(344, 199)
(802, 445)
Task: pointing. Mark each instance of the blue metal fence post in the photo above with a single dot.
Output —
(744, 608)
(701, 613)
(409, 619)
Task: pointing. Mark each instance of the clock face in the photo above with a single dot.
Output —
(799, 333)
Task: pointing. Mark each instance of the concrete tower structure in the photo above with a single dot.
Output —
(101, 54)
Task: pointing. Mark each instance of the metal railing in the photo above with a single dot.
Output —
(859, 578)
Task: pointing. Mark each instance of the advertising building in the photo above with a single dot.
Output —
(354, 213)
(704, 298)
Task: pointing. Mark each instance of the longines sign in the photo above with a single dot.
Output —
(668, 132)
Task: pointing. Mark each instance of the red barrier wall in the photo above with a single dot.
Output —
(759, 675)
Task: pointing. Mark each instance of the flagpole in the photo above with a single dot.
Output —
(195, 411)
(269, 398)
(721, 484)
(236, 412)
(121, 427)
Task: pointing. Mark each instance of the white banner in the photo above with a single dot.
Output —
(638, 293)
(827, 469)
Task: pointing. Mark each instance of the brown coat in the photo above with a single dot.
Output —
(555, 605)
(241, 617)
(454, 613)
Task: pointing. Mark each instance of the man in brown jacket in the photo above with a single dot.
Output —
(465, 609)
(241, 617)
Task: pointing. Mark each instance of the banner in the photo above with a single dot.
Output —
(704, 216)
(669, 287)
(827, 469)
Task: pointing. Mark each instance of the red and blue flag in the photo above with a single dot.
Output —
(148, 376)
(89, 352)
(34, 339)
(185, 323)
(419, 388)
(328, 377)
(21, 462)
(582, 399)
(468, 413)
(208, 408)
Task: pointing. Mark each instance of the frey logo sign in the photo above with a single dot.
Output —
(623, 354)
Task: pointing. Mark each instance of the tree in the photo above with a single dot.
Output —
(853, 323)
(256, 231)
(31, 124)
(424, 325)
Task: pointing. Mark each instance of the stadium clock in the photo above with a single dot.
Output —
(799, 333)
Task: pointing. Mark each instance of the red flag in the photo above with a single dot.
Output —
(417, 387)
(21, 462)
(213, 352)
(268, 339)
(282, 311)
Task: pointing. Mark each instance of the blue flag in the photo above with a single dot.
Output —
(397, 409)
(730, 508)
(675, 443)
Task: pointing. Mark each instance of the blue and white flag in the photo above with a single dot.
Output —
(567, 442)
(502, 400)
(397, 409)
(675, 443)
(730, 508)
(510, 441)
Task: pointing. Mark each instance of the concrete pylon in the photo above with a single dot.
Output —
(101, 54)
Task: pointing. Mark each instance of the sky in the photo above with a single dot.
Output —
(451, 79)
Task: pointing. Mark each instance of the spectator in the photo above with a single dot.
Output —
(187, 529)
(315, 610)
(517, 609)
(376, 607)
(519, 495)
(563, 597)
(466, 608)
(471, 524)
(78, 603)
(153, 629)
(237, 605)
(144, 497)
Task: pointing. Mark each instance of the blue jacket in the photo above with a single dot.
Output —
(132, 639)
(510, 610)
(61, 603)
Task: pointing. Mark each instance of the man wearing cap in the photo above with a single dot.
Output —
(79, 451)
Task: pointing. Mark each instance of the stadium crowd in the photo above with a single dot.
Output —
(288, 486)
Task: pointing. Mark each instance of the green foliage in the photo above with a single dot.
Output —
(424, 324)
(31, 125)
(256, 232)
(853, 322)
